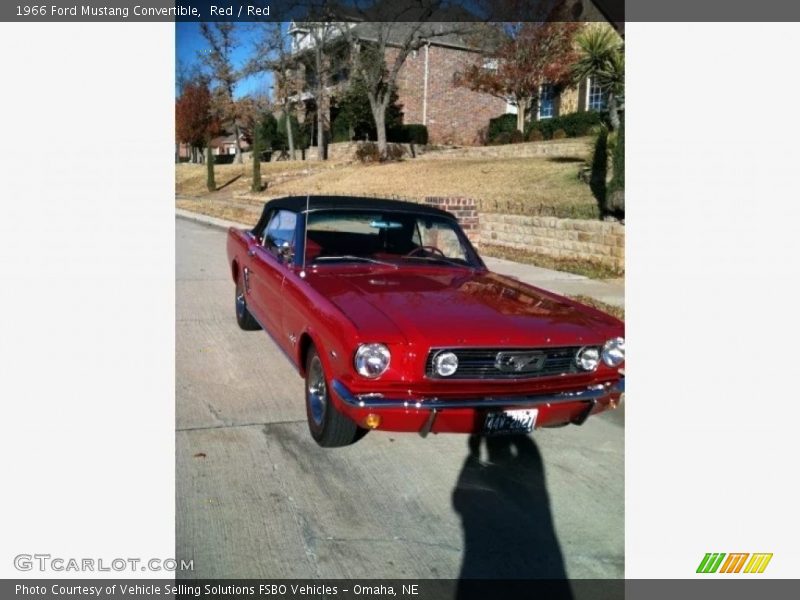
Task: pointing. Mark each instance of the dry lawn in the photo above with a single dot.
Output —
(536, 185)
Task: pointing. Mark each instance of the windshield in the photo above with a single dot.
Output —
(386, 237)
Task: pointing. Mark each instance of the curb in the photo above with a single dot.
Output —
(207, 220)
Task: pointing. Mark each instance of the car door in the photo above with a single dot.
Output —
(269, 269)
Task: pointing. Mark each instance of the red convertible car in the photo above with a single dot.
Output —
(394, 321)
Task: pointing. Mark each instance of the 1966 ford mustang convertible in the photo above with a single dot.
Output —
(394, 321)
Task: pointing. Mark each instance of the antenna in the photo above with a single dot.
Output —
(305, 235)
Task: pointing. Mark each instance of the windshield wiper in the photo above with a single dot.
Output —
(440, 259)
(353, 257)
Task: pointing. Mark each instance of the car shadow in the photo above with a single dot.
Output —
(501, 497)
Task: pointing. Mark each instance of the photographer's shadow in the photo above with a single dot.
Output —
(502, 499)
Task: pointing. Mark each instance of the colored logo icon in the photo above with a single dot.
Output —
(719, 562)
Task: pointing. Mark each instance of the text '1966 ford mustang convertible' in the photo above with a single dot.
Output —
(387, 311)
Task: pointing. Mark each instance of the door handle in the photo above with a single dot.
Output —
(251, 253)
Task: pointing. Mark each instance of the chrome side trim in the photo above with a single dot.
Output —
(375, 401)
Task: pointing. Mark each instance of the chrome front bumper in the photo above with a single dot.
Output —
(591, 394)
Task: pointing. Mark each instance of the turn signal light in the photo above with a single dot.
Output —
(372, 421)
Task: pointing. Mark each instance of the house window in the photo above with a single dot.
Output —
(547, 102)
(598, 99)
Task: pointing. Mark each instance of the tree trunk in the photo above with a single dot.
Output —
(379, 115)
(321, 150)
(379, 107)
(613, 111)
(289, 132)
(256, 187)
(522, 112)
(319, 92)
(237, 132)
(210, 183)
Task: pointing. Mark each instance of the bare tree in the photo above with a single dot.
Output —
(379, 49)
(321, 33)
(222, 41)
(272, 54)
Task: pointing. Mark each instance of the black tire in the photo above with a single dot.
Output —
(329, 427)
(243, 316)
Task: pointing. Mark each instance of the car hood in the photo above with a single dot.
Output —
(442, 307)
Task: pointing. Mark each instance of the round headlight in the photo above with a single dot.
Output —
(588, 358)
(445, 364)
(372, 360)
(614, 352)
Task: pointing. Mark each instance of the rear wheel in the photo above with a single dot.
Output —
(329, 427)
(243, 316)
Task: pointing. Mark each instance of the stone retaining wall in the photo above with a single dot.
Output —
(598, 241)
(567, 148)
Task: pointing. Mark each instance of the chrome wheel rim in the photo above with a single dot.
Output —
(317, 391)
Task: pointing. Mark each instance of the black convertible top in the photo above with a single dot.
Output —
(298, 204)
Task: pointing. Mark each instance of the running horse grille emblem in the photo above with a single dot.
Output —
(520, 362)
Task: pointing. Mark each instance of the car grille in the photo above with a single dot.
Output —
(482, 363)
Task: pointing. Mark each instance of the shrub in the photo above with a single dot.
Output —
(300, 134)
(413, 133)
(367, 152)
(356, 113)
(500, 125)
(559, 134)
(615, 199)
(573, 125)
(516, 137)
(534, 135)
(504, 137)
(340, 129)
(394, 152)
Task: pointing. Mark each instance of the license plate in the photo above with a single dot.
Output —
(510, 421)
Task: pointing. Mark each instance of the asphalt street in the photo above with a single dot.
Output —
(257, 498)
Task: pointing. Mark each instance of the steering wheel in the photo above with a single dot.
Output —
(431, 249)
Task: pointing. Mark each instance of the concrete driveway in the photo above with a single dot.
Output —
(256, 497)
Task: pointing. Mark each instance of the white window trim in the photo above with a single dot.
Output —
(539, 116)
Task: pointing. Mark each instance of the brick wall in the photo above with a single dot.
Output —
(455, 115)
(599, 241)
(465, 210)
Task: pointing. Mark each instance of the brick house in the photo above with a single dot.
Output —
(428, 93)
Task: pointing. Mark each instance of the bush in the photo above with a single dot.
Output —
(573, 125)
(340, 129)
(504, 137)
(412, 133)
(367, 152)
(356, 114)
(500, 125)
(300, 134)
(394, 152)
(559, 134)
(517, 137)
(534, 135)
(615, 194)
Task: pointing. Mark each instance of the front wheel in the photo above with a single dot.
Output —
(243, 316)
(329, 427)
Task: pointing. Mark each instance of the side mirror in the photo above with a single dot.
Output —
(285, 252)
